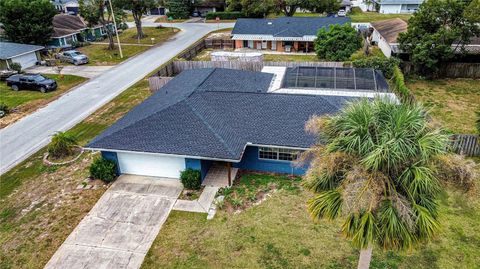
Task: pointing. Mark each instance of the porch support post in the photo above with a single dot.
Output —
(229, 166)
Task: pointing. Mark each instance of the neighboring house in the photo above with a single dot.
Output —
(25, 55)
(285, 34)
(225, 117)
(70, 29)
(66, 6)
(346, 5)
(473, 48)
(398, 6)
(202, 7)
(385, 35)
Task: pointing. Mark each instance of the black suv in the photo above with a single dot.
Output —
(31, 82)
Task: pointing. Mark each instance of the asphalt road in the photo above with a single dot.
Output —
(20, 140)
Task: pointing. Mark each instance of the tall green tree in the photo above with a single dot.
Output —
(337, 43)
(138, 8)
(438, 30)
(289, 7)
(27, 21)
(376, 171)
(98, 12)
(323, 6)
(178, 9)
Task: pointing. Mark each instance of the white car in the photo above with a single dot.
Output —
(342, 13)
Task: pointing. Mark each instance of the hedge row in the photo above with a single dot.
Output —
(400, 87)
(233, 15)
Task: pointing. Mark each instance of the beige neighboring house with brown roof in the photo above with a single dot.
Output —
(385, 34)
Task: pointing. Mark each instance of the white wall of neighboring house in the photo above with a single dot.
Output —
(382, 44)
(390, 9)
(26, 60)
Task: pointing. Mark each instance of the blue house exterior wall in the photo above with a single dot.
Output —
(202, 165)
(250, 161)
(112, 156)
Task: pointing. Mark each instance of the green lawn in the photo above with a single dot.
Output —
(452, 102)
(14, 99)
(45, 207)
(290, 58)
(100, 55)
(278, 233)
(357, 15)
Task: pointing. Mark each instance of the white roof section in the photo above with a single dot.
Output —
(273, 38)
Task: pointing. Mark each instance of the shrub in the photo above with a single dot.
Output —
(457, 170)
(103, 169)
(386, 65)
(191, 179)
(3, 109)
(233, 15)
(16, 67)
(337, 43)
(399, 86)
(63, 144)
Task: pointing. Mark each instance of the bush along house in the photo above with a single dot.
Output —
(285, 34)
(227, 118)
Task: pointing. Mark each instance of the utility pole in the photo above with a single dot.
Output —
(116, 29)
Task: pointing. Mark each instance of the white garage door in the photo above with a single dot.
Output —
(27, 60)
(150, 165)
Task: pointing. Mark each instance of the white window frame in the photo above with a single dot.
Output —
(274, 45)
(264, 44)
(277, 152)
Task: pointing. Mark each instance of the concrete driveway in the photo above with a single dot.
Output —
(121, 227)
(85, 71)
(71, 108)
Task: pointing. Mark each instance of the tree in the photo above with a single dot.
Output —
(323, 6)
(98, 12)
(438, 30)
(138, 8)
(376, 171)
(337, 43)
(27, 21)
(289, 7)
(63, 144)
(253, 8)
(178, 9)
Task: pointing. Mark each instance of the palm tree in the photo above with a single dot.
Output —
(376, 170)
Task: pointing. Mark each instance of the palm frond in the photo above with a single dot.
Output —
(326, 205)
(417, 180)
(366, 230)
(394, 230)
(427, 225)
(362, 190)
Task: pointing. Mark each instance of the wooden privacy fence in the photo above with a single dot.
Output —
(464, 144)
(179, 66)
(155, 83)
(219, 43)
(451, 70)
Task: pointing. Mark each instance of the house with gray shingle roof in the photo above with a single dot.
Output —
(24, 54)
(398, 6)
(385, 35)
(225, 117)
(285, 34)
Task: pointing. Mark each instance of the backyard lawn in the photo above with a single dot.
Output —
(357, 15)
(40, 205)
(100, 55)
(290, 57)
(25, 102)
(279, 233)
(452, 102)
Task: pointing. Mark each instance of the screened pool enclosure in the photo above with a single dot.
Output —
(335, 78)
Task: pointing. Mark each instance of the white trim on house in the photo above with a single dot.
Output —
(23, 53)
(308, 38)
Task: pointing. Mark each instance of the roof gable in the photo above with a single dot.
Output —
(390, 29)
(9, 49)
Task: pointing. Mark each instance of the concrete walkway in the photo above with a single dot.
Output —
(23, 138)
(121, 227)
(80, 70)
(201, 205)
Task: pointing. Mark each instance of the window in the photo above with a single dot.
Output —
(280, 154)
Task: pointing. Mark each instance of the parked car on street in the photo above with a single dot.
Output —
(342, 13)
(31, 82)
(74, 57)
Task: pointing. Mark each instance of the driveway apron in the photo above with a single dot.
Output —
(121, 227)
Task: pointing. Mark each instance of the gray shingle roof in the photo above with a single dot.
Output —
(397, 2)
(9, 50)
(187, 118)
(286, 26)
